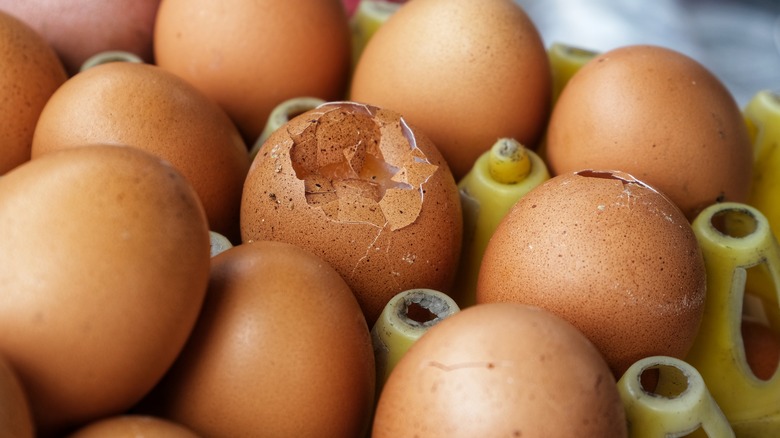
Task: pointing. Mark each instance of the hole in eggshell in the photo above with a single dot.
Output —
(598, 174)
(734, 222)
(616, 175)
(360, 167)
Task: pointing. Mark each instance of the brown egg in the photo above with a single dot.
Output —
(660, 116)
(281, 349)
(79, 29)
(15, 416)
(104, 268)
(31, 73)
(762, 348)
(144, 106)
(133, 426)
(607, 253)
(251, 55)
(360, 188)
(501, 370)
(465, 72)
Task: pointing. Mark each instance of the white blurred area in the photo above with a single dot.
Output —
(738, 40)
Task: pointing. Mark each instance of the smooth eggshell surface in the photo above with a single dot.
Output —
(252, 55)
(660, 116)
(104, 268)
(607, 253)
(501, 369)
(281, 349)
(133, 426)
(465, 72)
(143, 106)
(15, 417)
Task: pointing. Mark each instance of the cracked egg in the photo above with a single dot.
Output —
(359, 187)
(608, 253)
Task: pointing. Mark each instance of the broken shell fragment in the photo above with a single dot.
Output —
(363, 190)
(282, 114)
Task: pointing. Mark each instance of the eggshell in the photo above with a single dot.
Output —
(281, 349)
(79, 29)
(104, 268)
(251, 55)
(143, 106)
(501, 369)
(31, 73)
(762, 348)
(659, 115)
(465, 72)
(609, 254)
(15, 416)
(363, 190)
(133, 426)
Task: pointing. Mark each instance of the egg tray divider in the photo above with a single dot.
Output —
(741, 254)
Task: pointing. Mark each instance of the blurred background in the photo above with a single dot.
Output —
(738, 40)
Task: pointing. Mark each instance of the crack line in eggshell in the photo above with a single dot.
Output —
(623, 177)
(626, 179)
(468, 365)
(372, 246)
(355, 168)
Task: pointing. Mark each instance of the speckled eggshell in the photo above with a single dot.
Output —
(143, 106)
(104, 269)
(133, 426)
(31, 72)
(659, 115)
(363, 190)
(501, 370)
(465, 72)
(281, 350)
(609, 254)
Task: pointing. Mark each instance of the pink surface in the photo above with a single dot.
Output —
(351, 5)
